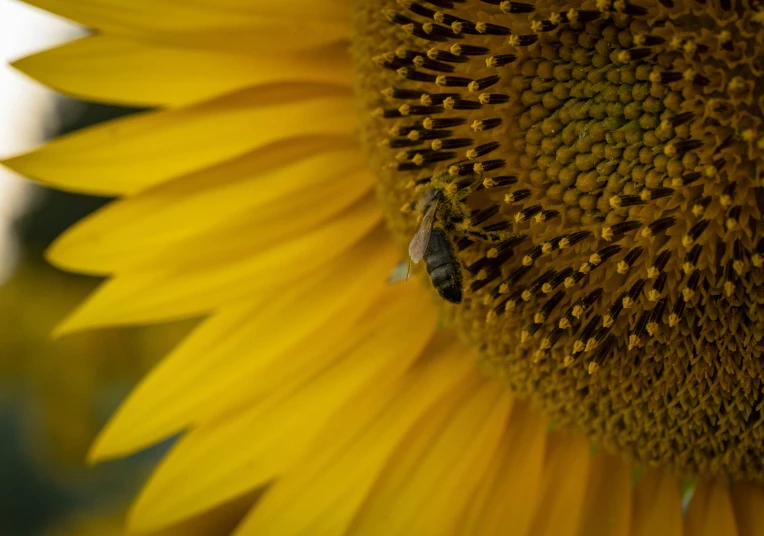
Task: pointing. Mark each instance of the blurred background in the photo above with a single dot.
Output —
(55, 394)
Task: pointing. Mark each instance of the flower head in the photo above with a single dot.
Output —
(591, 173)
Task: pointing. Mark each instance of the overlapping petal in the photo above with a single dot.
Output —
(322, 493)
(509, 496)
(224, 24)
(277, 425)
(566, 469)
(748, 502)
(273, 189)
(130, 154)
(710, 511)
(218, 365)
(133, 72)
(657, 507)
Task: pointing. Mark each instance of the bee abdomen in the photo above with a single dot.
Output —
(443, 267)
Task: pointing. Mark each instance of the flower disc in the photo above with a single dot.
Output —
(600, 165)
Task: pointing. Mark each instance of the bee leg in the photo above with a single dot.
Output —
(481, 235)
(465, 192)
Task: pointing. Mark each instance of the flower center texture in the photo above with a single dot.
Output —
(597, 170)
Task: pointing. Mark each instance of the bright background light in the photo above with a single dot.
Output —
(27, 111)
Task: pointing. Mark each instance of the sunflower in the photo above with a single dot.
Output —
(589, 176)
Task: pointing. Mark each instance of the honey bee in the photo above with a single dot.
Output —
(444, 211)
(434, 246)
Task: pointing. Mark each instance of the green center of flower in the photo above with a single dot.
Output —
(596, 174)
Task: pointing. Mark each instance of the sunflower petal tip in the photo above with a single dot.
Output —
(70, 324)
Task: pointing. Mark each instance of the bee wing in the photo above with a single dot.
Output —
(418, 244)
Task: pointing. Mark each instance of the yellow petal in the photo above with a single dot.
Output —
(209, 465)
(220, 520)
(133, 153)
(510, 495)
(710, 512)
(264, 189)
(563, 487)
(228, 24)
(657, 505)
(118, 70)
(182, 291)
(748, 501)
(218, 363)
(431, 477)
(607, 505)
(322, 492)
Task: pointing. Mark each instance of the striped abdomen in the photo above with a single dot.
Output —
(443, 267)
